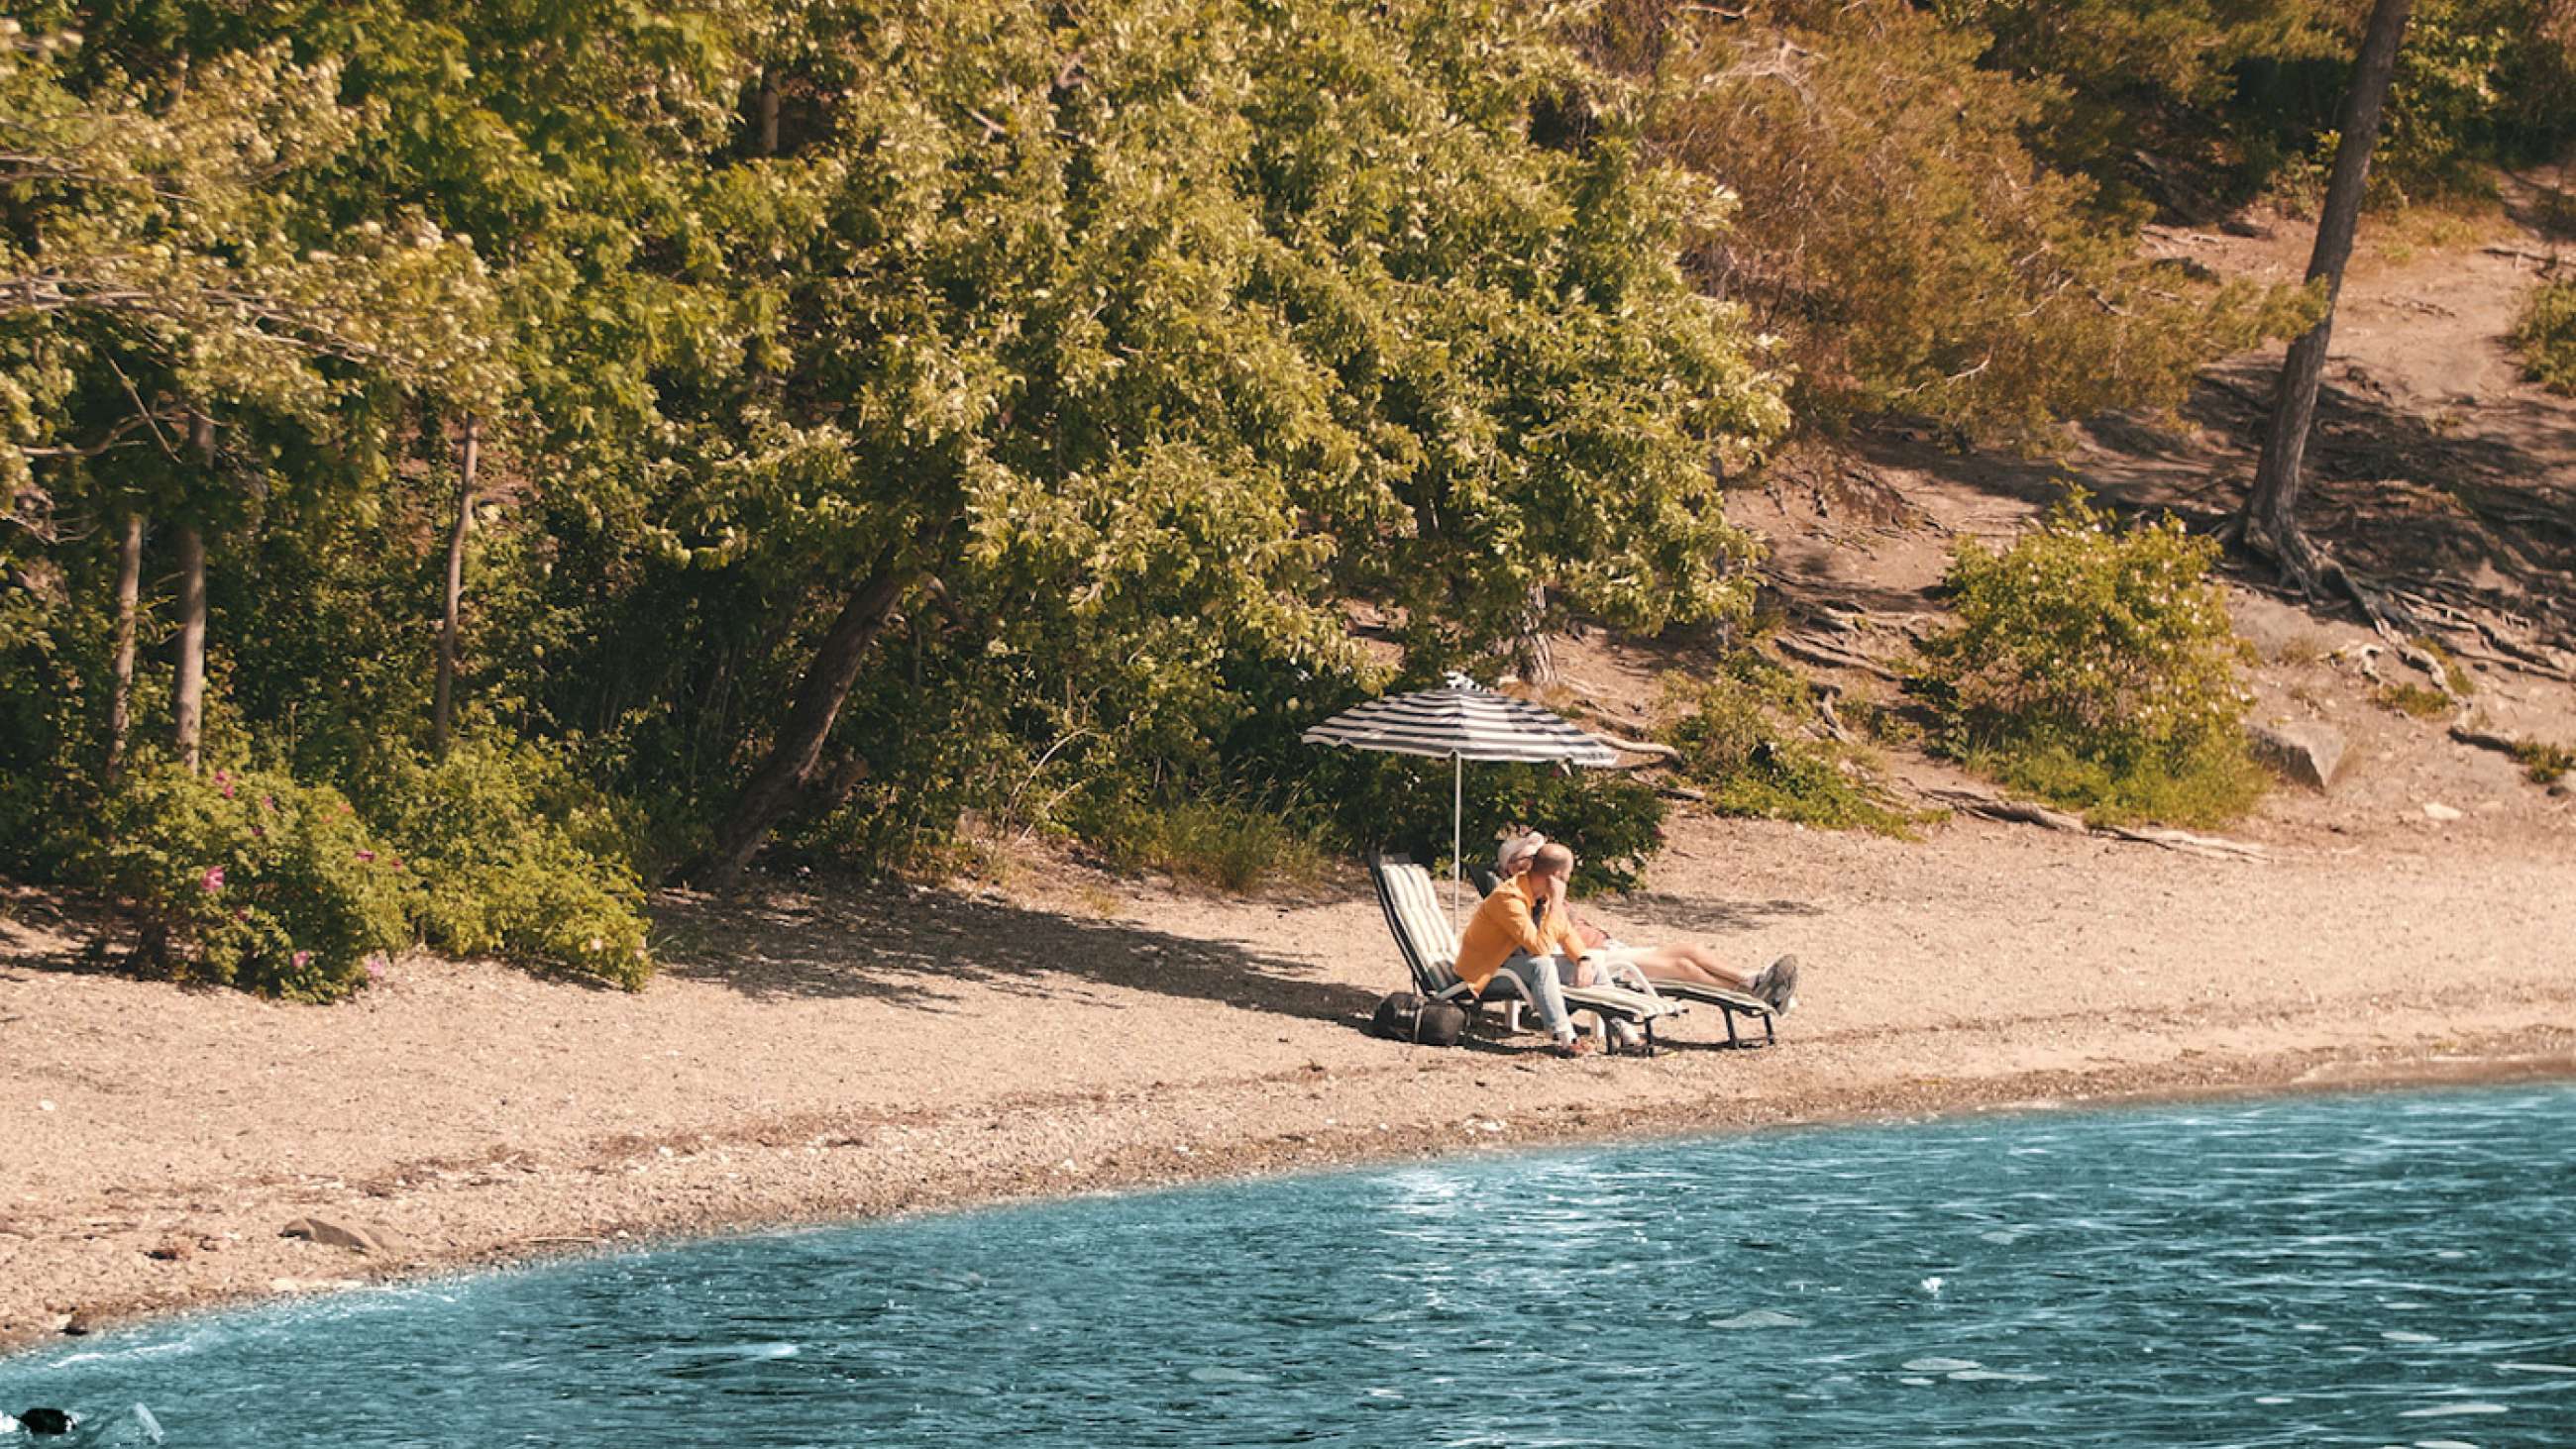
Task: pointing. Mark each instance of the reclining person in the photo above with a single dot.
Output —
(1776, 985)
(1524, 931)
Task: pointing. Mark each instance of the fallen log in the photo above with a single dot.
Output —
(2024, 812)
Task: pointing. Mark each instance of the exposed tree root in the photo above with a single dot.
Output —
(1813, 650)
(1826, 694)
(2318, 575)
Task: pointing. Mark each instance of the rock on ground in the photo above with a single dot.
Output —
(2303, 752)
(355, 1236)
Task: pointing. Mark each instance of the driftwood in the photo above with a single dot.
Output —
(2023, 812)
(1647, 748)
(2475, 738)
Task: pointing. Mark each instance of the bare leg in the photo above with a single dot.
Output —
(1692, 964)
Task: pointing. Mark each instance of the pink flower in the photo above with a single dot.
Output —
(268, 802)
(224, 782)
(212, 881)
(301, 957)
(376, 967)
(366, 855)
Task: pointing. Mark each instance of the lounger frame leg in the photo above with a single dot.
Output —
(1770, 1029)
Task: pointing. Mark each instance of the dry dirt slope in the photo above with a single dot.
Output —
(2436, 470)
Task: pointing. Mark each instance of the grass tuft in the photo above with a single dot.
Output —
(2547, 763)
(2415, 701)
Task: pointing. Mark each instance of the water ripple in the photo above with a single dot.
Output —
(2366, 1271)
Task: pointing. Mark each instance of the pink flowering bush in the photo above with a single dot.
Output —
(250, 879)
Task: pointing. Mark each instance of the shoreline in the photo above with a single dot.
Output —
(831, 1056)
(2539, 1056)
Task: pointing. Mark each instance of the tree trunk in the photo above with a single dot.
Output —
(769, 115)
(2270, 520)
(1534, 652)
(441, 704)
(188, 694)
(129, 599)
(790, 766)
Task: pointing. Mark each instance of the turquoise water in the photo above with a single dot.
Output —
(2379, 1270)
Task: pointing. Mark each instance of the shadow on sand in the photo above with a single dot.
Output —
(909, 948)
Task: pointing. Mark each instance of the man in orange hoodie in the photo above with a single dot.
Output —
(1523, 930)
(1686, 965)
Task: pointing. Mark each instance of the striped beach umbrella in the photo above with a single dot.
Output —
(1461, 722)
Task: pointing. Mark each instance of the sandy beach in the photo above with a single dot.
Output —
(828, 1054)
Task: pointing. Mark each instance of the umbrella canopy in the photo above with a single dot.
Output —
(1460, 722)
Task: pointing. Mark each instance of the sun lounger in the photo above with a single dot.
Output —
(1429, 943)
(1729, 1003)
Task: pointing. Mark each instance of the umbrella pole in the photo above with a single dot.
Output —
(1457, 815)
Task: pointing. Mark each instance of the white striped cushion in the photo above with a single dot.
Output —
(1417, 904)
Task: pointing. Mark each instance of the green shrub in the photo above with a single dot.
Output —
(1214, 842)
(2208, 783)
(252, 880)
(2097, 667)
(2547, 336)
(515, 861)
(2548, 763)
(1736, 747)
(1613, 822)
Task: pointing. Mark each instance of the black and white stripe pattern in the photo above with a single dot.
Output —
(1461, 722)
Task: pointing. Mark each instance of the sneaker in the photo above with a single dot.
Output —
(1625, 1036)
(1778, 985)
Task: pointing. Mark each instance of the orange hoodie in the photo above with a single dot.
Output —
(1507, 922)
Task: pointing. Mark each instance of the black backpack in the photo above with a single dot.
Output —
(1408, 1017)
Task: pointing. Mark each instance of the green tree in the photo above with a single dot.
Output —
(1903, 239)
(178, 323)
(1195, 319)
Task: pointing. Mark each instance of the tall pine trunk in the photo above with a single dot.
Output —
(129, 600)
(789, 768)
(2271, 517)
(442, 703)
(188, 693)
